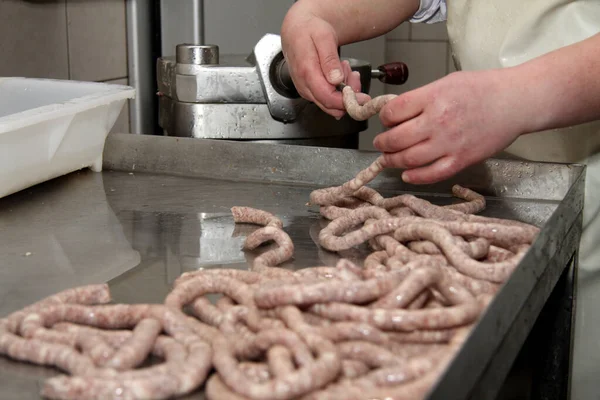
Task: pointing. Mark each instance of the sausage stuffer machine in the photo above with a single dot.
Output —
(206, 95)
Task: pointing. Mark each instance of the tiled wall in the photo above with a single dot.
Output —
(424, 48)
(86, 40)
(65, 39)
(235, 26)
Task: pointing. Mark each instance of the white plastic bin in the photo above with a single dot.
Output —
(49, 128)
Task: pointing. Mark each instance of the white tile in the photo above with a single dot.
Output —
(33, 39)
(122, 123)
(236, 26)
(400, 33)
(426, 61)
(429, 31)
(97, 39)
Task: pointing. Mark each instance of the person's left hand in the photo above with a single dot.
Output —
(441, 128)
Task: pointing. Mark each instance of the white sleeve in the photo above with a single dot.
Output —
(430, 12)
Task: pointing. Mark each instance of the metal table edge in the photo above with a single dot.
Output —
(288, 164)
(447, 388)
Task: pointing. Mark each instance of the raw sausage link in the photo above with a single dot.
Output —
(474, 201)
(133, 352)
(249, 215)
(386, 328)
(367, 110)
(496, 272)
(310, 377)
(341, 291)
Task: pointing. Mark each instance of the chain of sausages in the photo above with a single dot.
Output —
(384, 329)
(365, 111)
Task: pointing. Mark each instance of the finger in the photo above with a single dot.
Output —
(401, 137)
(327, 49)
(404, 107)
(324, 94)
(308, 78)
(442, 169)
(323, 99)
(419, 155)
(350, 77)
(299, 71)
(362, 98)
(354, 81)
(346, 69)
(337, 114)
(308, 96)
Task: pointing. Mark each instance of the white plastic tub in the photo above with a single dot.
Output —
(49, 128)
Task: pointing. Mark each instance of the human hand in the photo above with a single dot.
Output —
(448, 125)
(310, 48)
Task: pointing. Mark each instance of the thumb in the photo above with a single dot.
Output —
(329, 58)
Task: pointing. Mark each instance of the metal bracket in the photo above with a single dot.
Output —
(265, 55)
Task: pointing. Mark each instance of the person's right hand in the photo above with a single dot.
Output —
(310, 48)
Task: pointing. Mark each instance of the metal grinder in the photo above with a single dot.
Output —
(207, 95)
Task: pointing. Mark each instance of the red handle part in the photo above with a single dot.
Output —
(394, 73)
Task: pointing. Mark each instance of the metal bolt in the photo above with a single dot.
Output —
(197, 54)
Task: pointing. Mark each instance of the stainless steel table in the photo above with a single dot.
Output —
(161, 207)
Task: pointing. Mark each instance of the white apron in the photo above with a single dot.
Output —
(504, 33)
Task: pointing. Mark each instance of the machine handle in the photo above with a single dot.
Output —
(394, 73)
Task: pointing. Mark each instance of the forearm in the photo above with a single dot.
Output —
(357, 20)
(561, 88)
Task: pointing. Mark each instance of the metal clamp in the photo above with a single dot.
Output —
(267, 55)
